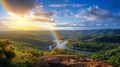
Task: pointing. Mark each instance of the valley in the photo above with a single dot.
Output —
(29, 46)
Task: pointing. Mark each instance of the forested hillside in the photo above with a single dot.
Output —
(24, 48)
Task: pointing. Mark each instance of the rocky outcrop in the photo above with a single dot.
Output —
(69, 61)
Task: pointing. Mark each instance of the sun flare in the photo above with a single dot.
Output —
(28, 23)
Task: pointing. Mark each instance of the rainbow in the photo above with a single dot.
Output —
(56, 36)
(5, 5)
(54, 32)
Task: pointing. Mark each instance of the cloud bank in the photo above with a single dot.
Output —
(20, 6)
(92, 16)
(95, 13)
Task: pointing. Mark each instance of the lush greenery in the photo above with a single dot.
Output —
(6, 53)
(13, 56)
(105, 44)
(37, 39)
(24, 48)
(111, 56)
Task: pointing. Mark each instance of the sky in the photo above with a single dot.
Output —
(61, 14)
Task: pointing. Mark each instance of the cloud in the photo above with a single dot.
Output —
(20, 6)
(70, 24)
(68, 13)
(3, 25)
(67, 5)
(29, 10)
(44, 16)
(95, 13)
(92, 17)
(41, 20)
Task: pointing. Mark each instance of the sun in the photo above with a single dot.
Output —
(27, 23)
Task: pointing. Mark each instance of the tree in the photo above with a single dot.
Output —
(6, 54)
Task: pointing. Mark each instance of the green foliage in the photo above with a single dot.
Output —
(111, 56)
(27, 58)
(57, 51)
(11, 56)
(92, 46)
(26, 48)
(105, 44)
(107, 39)
(37, 38)
(6, 53)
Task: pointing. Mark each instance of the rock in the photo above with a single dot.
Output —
(69, 61)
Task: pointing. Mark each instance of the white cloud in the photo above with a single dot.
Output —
(95, 13)
(67, 5)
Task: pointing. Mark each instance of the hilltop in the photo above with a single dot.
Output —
(69, 61)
